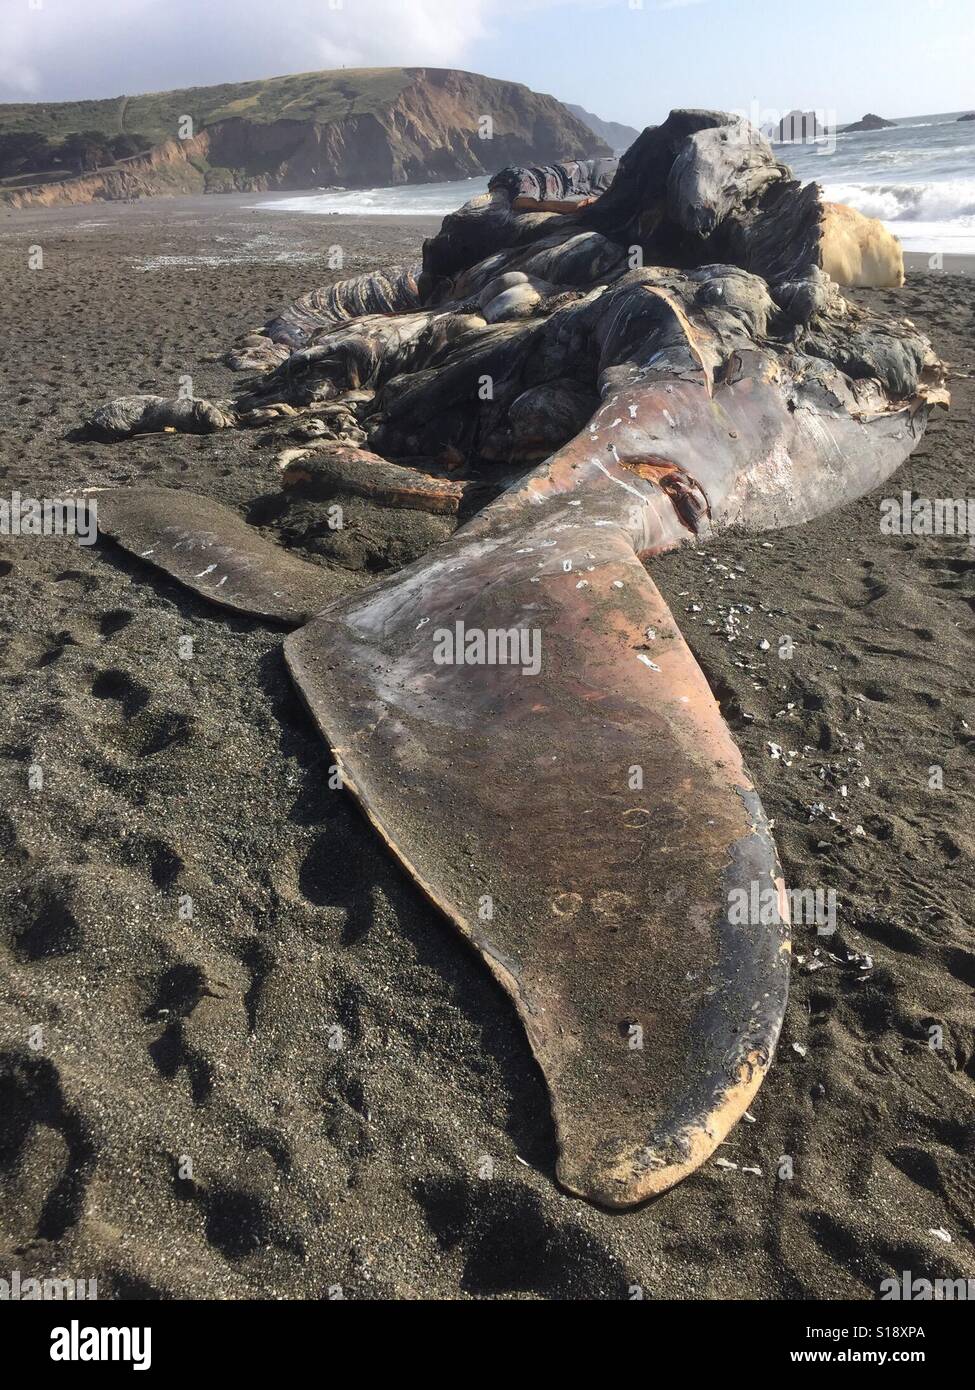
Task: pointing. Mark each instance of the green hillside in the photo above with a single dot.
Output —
(308, 96)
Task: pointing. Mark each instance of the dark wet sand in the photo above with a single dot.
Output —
(184, 1128)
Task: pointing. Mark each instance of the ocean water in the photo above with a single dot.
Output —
(918, 178)
(406, 200)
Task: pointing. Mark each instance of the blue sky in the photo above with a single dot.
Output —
(623, 60)
(894, 57)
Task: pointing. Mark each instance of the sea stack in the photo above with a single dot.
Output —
(868, 122)
(799, 127)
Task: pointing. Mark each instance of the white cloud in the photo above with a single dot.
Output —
(76, 48)
(70, 49)
(367, 33)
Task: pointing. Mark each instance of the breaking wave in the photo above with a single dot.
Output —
(950, 201)
(405, 200)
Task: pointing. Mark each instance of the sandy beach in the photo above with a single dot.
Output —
(176, 1119)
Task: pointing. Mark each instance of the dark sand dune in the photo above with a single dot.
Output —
(306, 1085)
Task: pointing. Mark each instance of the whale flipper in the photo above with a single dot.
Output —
(207, 547)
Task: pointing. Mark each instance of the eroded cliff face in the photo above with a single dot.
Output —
(166, 168)
(443, 125)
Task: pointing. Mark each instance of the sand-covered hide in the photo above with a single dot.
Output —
(365, 1166)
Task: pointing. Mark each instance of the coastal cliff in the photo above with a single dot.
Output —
(619, 137)
(353, 128)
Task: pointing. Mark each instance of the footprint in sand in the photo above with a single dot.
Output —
(47, 1153)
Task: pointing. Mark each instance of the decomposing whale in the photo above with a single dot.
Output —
(517, 712)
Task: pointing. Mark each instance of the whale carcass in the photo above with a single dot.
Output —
(517, 712)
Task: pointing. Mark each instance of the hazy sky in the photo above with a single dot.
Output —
(627, 60)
